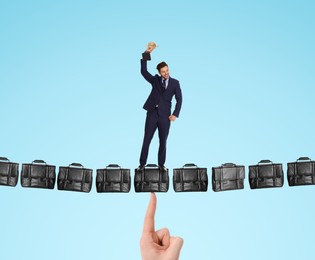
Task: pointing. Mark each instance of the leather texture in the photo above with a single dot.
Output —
(75, 178)
(113, 178)
(38, 174)
(301, 172)
(228, 176)
(151, 179)
(190, 178)
(9, 172)
(265, 174)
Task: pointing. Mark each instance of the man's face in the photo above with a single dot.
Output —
(164, 72)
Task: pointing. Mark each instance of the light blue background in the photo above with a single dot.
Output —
(71, 91)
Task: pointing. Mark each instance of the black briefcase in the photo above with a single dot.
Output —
(113, 179)
(151, 179)
(9, 172)
(228, 176)
(265, 174)
(75, 178)
(38, 174)
(301, 172)
(190, 178)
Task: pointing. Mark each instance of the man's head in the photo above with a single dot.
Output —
(163, 70)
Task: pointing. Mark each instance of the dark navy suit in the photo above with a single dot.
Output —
(158, 106)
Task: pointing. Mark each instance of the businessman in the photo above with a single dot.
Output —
(158, 107)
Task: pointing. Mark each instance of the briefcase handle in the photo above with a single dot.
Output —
(265, 162)
(150, 165)
(39, 162)
(190, 165)
(4, 159)
(113, 166)
(228, 165)
(76, 165)
(304, 159)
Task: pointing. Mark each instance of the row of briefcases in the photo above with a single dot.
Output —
(188, 178)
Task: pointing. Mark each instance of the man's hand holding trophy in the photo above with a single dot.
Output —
(150, 47)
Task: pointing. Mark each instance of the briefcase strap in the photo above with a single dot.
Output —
(4, 159)
(274, 173)
(142, 178)
(221, 178)
(46, 170)
(237, 176)
(83, 179)
(105, 172)
(181, 179)
(295, 173)
(160, 173)
(66, 177)
(104, 178)
(29, 174)
(121, 178)
(199, 178)
(9, 174)
(257, 174)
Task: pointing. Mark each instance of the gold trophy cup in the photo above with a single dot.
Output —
(151, 46)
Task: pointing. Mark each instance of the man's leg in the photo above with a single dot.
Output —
(149, 130)
(164, 127)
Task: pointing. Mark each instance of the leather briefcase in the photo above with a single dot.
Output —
(113, 179)
(301, 172)
(75, 178)
(151, 179)
(228, 176)
(265, 174)
(9, 172)
(38, 174)
(190, 178)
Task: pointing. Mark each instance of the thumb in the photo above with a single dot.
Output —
(176, 244)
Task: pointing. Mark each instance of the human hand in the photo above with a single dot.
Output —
(172, 118)
(158, 245)
(149, 49)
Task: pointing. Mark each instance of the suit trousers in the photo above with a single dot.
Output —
(162, 123)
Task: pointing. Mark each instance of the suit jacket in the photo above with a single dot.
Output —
(162, 99)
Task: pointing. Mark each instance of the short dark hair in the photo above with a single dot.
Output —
(161, 65)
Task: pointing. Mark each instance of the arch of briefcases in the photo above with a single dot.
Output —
(189, 178)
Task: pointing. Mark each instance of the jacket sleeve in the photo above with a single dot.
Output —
(179, 99)
(145, 72)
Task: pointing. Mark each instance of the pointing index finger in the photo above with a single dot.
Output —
(149, 216)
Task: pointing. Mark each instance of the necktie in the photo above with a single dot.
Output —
(164, 84)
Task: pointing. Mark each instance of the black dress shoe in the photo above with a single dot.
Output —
(140, 167)
(162, 168)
